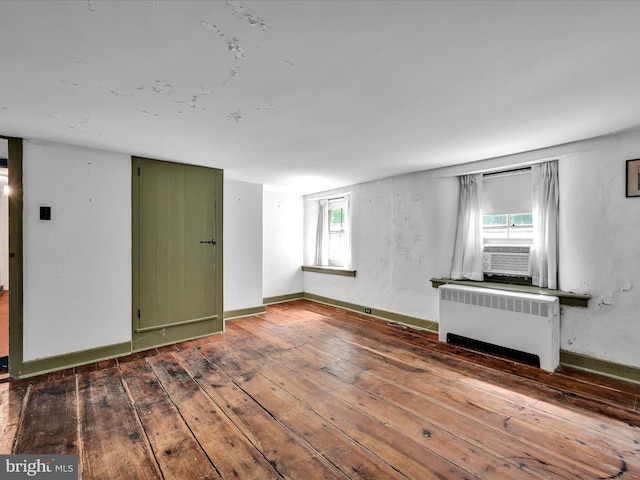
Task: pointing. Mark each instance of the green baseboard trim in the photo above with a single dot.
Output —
(244, 312)
(283, 298)
(600, 367)
(41, 366)
(421, 323)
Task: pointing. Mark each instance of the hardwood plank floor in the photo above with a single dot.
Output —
(309, 391)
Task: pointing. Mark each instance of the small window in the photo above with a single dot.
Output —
(507, 227)
(338, 240)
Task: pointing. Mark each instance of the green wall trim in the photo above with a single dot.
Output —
(244, 312)
(566, 298)
(329, 270)
(601, 367)
(283, 298)
(421, 323)
(70, 360)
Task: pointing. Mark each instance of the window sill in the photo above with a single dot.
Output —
(329, 270)
(566, 298)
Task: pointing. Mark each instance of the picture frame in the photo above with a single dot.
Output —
(633, 178)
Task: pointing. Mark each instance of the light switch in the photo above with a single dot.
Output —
(45, 213)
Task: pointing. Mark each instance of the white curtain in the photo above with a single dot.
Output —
(322, 234)
(467, 253)
(544, 254)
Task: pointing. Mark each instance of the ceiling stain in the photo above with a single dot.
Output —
(90, 6)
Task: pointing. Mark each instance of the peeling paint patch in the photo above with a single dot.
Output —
(243, 15)
(90, 6)
(115, 93)
(212, 28)
(160, 86)
(234, 45)
(289, 62)
(191, 103)
(205, 91)
(78, 60)
(268, 108)
(235, 115)
(233, 73)
(146, 112)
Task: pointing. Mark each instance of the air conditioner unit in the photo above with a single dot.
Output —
(507, 260)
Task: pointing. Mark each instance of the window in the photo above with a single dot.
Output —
(508, 227)
(506, 208)
(337, 232)
(333, 242)
(338, 240)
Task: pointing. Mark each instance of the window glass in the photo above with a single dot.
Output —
(338, 241)
(508, 226)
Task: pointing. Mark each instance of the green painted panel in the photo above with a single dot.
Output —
(179, 280)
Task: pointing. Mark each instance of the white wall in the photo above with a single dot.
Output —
(282, 244)
(404, 230)
(600, 250)
(77, 267)
(242, 245)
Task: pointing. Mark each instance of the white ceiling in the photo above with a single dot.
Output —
(304, 96)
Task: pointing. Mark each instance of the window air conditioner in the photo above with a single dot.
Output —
(507, 260)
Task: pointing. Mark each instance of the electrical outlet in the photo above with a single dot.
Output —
(367, 310)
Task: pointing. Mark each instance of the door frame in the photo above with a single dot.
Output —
(16, 303)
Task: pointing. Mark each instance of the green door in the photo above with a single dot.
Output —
(177, 252)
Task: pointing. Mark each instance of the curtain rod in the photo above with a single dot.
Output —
(505, 173)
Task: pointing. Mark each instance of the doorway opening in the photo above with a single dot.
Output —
(4, 257)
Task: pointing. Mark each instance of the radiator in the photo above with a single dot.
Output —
(520, 321)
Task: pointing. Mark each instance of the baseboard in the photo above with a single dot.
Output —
(421, 323)
(283, 298)
(605, 368)
(61, 362)
(244, 312)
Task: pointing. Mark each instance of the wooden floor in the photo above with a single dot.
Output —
(307, 391)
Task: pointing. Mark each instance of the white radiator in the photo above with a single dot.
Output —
(520, 321)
